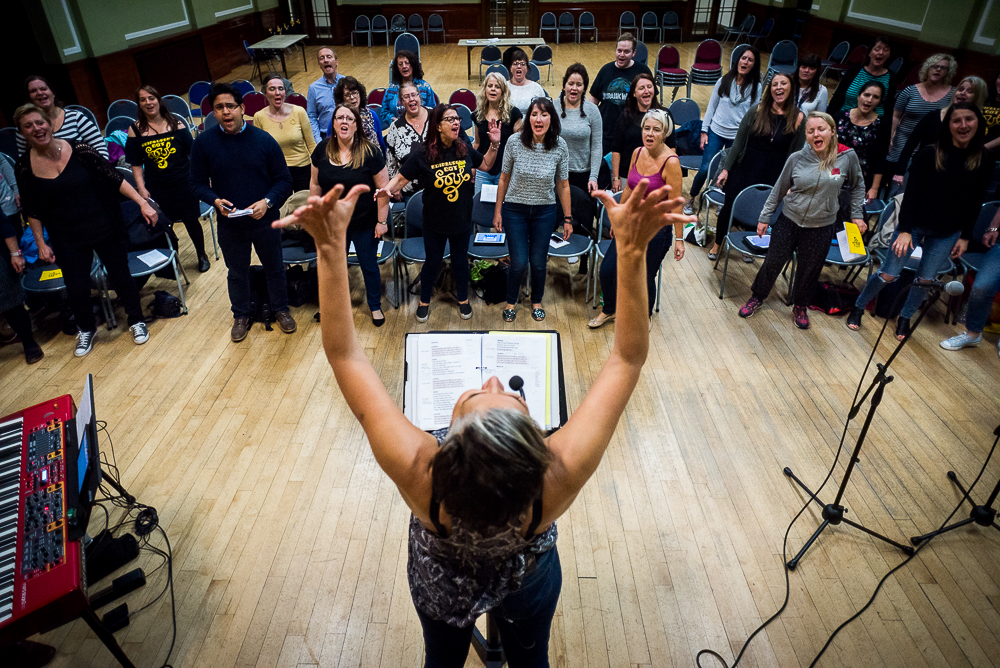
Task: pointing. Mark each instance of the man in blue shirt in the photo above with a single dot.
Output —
(241, 171)
(319, 102)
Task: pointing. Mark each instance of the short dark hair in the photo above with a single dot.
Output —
(555, 127)
(632, 105)
(490, 468)
(872, 83)
(418, 71)
(876, 40)
(628, 37)
(224, 89)
(348, 84)
(813, 61)
(518, 55)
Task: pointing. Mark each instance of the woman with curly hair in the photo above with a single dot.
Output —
(405, 67)
(351, 92)
(493, 104)
(933, 93)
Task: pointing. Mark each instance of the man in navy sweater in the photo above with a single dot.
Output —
(237, 167)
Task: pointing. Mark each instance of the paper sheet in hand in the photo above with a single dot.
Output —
(488, 193)
(850, 243)
(152, 258)
(760, 242)
(917, 253)
(378, 251)
(238, 213)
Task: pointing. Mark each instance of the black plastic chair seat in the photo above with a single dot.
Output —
(834, 256)
(717, 197)
(31, 278)
(690, 162)
(297, 255)
(137, 267)
(487, 251)
(578, 245)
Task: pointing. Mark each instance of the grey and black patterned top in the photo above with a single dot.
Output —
(534, 171)
(75, 126)
(459, 577)
(913, 106)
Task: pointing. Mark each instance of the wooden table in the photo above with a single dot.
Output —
(500, 42)
(279, 43)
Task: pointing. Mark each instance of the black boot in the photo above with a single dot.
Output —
(203, 263)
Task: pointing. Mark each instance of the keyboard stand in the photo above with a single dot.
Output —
(489, 649)
(106, 637)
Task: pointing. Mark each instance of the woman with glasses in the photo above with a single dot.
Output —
(351, 92)
(289, 125)
(444, 164)
(406, 67)
(535, 173)
(493, 104)
(522, 89)
(158, 148)
(347, 158)
(933, 93)
(406, 134)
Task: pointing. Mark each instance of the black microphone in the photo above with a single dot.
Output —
(953, 288)
(516, 383)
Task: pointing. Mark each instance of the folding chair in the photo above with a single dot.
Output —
(857, 56)
(253, 103)
(650, 22)
(586, 23)
(397, 26)
(411, 250)
(124, 108)
(763, 34)
(93, 118)
(707, 66)
(415, 24)
(499, 68)
(406, 42)
(784, 60)
(435, 24)
(671, 22)
(244, 87)
(566, 23)
(741, 31)
(362, 26)
(626, 23)
(541, 56)
(122, 123)
(463, 96)
(548, 22)
(380, 26)
(745, 212)
(669, 74)
(36, 280)
(836, 57)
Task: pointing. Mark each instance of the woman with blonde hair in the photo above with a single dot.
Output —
(810, 186)
(659, 164)
(347, 158)
(289, 125)
(493, 104)
(933, 93)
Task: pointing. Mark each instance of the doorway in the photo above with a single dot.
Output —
(711, 16)
(510, 18)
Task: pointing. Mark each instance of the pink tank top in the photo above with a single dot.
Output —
(655, 180)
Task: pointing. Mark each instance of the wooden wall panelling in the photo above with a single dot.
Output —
(223, 43)
(88, 87)
(119, 74)
(173, 66)
(460, 21)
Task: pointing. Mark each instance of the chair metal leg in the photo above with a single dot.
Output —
(725, 266)
(211, 226)
(180, 288)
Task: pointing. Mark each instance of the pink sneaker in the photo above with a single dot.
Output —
(801, 316)
(750, 307)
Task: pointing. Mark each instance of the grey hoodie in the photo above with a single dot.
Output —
(812, 195)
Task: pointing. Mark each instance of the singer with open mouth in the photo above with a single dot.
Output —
(485, 497)
(947, 183)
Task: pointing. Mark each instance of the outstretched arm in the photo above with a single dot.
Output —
(394, 440)
(579, 446)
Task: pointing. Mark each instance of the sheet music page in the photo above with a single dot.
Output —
(524, 355)
(447, 366)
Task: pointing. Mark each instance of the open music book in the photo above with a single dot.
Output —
(440, 366)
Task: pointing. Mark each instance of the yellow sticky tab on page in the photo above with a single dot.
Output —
(51, 274)
(854, 238)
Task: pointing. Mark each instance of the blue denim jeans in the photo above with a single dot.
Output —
(524, 619)
(528, 229)
(366, 247)
(483, 176)
(936, 251)
(714, 144)
(983, 290)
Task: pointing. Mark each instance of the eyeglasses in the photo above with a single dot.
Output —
(352, 93)
(226, 106)
(451, 119)
(345, 119)
(939, 67)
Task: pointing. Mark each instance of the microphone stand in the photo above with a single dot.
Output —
(833, 513)
(984, 516)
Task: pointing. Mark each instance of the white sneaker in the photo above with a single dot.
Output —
(959, 341)
(140, 333)
(84, 343)
(689, 209)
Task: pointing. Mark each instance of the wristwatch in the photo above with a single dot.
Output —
(267, 203)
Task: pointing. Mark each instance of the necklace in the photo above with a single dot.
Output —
(280, 121)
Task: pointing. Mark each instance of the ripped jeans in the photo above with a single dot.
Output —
(936, 251)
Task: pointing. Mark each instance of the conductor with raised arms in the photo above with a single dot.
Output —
(486, 493)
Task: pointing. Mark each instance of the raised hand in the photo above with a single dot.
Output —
(494, 132)
(325, 218)
(638, 220)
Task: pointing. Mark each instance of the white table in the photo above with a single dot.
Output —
(499, 42)
(279, 43)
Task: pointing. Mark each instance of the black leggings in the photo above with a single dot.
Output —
(193, 227)
(20, 322)
(810, 244)
(434, 249)
(76, 260)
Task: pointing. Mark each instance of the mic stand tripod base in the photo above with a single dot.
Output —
(984, 516)
(833, 514)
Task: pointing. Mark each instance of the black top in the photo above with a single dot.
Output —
(628, 137)
(947, 201)
(870, 142)
(365, 214)
(164, 157)
(506, 130)
(924, 134)
(991, 111)
(78, 206)
(243, 168)
(610, 89)
(448, 187)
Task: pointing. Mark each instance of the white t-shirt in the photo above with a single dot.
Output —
(521, 96)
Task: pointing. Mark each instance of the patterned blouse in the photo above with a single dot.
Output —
(861, 138)
(457, 578)
(401, 139)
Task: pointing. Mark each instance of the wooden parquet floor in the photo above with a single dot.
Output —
(289, 543)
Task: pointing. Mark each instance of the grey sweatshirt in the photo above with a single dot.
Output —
(724, 114)
(810, 194)
(583, 137)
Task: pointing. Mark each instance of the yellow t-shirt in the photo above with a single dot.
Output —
(294, 135)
